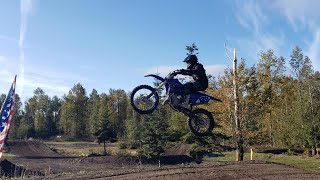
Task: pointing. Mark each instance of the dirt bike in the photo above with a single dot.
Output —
(145, 99)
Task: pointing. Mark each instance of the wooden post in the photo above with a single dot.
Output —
(239, 140)
(251, 154)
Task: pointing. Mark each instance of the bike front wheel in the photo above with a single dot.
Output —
(201, 122)
(144, 99)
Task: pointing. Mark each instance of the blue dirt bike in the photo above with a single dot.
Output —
(145, 99)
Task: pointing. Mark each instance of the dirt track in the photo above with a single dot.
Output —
(56, 166)
(244, 170)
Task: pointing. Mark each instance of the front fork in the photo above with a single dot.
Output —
(156, 89)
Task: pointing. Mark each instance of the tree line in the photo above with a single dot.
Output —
(279, 106)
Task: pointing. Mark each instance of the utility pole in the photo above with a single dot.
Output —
(239, 139)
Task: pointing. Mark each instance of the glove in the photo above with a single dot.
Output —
(174, 73)
(181, 71)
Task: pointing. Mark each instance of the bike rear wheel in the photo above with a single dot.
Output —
(144, 99)
(201, 122)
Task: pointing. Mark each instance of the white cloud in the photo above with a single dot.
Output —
(25, 10)
(269, 41)
(3, 59)
(252, 46)
(7, 64)
(49, 79)
(58, 83)
(304, 12)
(25, 6)
(8, 39)
(250, 15)
(54, 88)
(314, 50)
(4, 73)
(304, 15)
(216, 69)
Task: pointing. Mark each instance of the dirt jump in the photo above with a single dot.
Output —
(37, 161)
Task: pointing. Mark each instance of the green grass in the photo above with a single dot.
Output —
(79, 152)
(7, 155)
(69, 142)
(76, 148)
(303, 162)
(81, 148)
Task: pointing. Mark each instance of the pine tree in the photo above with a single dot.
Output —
(74, 113)
(54, 112)
(93, 112)
(39, 105)
(154, 133)
(16, 118)
(117, 106)
(270, 69)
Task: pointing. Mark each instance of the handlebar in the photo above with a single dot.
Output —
(173, 73)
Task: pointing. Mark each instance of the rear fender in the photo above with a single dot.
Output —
(202, 98)
(215, 99)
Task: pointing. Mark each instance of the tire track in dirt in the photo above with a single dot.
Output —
(235, 171)
(38, 156)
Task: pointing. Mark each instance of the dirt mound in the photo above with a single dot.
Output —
(276, 150)
(180, 149)
(116, 160)
(9, 169)
(176, 159)
(130, 160)
(30, 148)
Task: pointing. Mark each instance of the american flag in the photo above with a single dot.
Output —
(6, 114)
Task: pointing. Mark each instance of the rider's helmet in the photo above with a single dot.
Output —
(191, 60)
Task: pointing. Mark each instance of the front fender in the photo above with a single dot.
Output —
(155, 76)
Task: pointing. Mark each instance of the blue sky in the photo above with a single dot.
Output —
(105, 44)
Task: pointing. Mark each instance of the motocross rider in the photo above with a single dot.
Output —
(198, 73)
